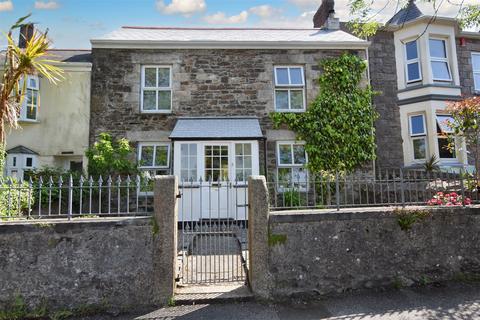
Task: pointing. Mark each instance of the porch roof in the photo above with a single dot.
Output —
(217, 128)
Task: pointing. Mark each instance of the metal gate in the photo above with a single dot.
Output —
(213, 241)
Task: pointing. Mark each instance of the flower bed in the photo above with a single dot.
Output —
(448, 199)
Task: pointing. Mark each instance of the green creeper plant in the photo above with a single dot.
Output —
(338, 127)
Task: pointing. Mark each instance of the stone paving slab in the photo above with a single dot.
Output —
(453, 301)
(215, 293)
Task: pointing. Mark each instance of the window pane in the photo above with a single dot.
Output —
(437, 48)
(419, 149)
(247, 162)
(247, 149)
(296, 97)
(239, 175)
(149, 100)
(184, 162)
(164, 77)
(282, 76)
(417, 125)
(476, 62)
(299, 154)
(299, 175)
(281, 99)
(164, 100)
(150, 77)
(440, 70)
(193, 150)
(146, 156)
(444, 123)
(239, 162)
(31, 112)
(284, 174)
(413, 70)
(239, 149)
(443, 149)
(161, 156)
(296, 76)
(29, 162)
(411, 48)
(285, 155)
(476, 77)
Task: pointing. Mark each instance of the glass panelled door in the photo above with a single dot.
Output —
(213, 175)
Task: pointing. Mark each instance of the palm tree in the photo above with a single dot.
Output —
(19, 63)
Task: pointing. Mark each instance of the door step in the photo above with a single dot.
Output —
(212, 293)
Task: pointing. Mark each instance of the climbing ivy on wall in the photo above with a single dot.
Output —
(338, 127)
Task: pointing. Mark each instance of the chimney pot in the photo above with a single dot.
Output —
(26, 33)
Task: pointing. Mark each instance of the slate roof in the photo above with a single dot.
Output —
(219, 128)
(65, 55)
(409, 13)
(224, 35)
(21, 150)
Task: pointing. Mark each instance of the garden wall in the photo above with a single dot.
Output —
(105, 263)
(332, 252)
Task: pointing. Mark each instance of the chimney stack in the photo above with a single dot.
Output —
(325, 16)
(26, 33)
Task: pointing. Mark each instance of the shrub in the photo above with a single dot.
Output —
(14, 198)
(292, 198)
(111, 157)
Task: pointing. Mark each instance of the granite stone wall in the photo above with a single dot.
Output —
(383, 77)
(205, 83)
(314, 253)
(464, 54)
(78, 264)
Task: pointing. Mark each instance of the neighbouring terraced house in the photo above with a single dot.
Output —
(54, 119)
(195, 102)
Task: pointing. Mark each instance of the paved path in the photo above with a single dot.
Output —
(452, 301)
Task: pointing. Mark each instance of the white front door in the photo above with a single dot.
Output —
(213, 177)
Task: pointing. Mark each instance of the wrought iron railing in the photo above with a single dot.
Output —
(393, 187)
(60, 197)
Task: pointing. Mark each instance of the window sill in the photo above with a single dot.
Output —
(290, 111)
(28, 121)
(156, 112)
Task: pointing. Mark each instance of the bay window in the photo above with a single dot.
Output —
(418, 134)
(289, 88)
(412, 65)
(439, 60)
(476, 70)
(156, 94)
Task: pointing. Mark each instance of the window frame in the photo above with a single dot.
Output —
(438, 59)
(155, 145)
(36, 90)
(291, 143)
(243, 156)
(289, 87)
(410, 127)
(412, 61)
(476, 86)
(156, 89)
(189, 156)
(418, 136)
(445, 137)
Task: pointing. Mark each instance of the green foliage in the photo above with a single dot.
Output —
(292, 198)
(155, 227)
(109, 157)
(364, 14)
(338, 126)
(14, 195)
(17, 309)
(406, 218)
(276, 239)
(171, 302)
(431, 165)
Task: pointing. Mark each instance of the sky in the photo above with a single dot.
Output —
(72, 23)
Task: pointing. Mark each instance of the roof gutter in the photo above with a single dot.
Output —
(149, 44)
